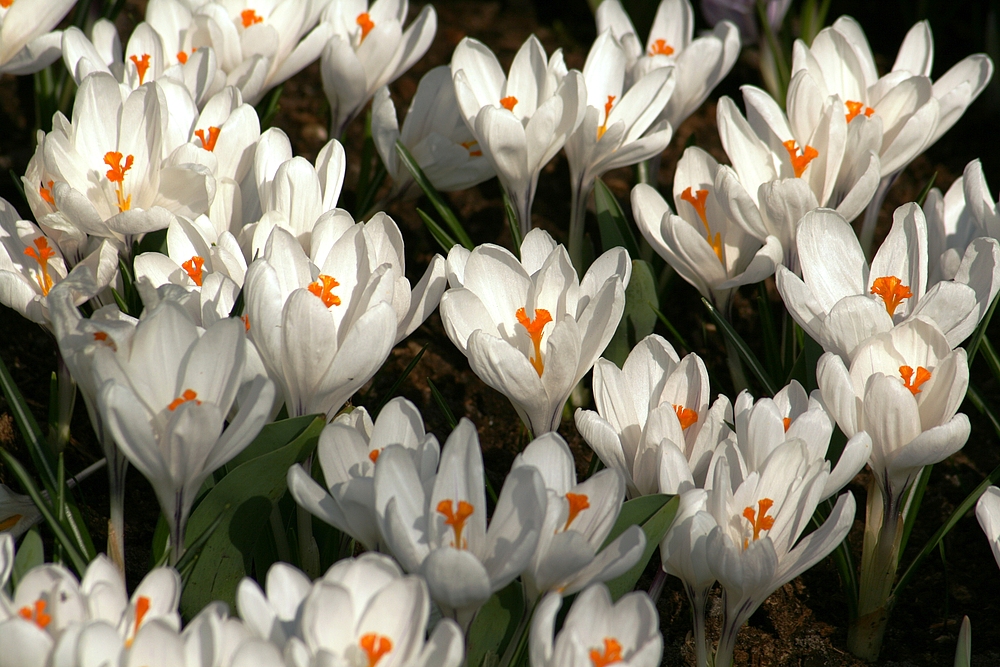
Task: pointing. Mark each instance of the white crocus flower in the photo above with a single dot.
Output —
(597, 631)
(531, 329)
(17, 514)
(522, 121)
(987, 512)
(840, 301)
(351, 291)
(27, 43)
(755, 548)
(578, 519)
(273, 613)
(703, 242)
(619, 127)
(909, 110)
(653, 419)
(368, 50)
(441, 533)
(349, 450)
(434, 133)
(699, 64)
(166, 397)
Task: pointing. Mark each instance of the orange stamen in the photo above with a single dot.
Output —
(246, 321)
(102, 337)
(577, 503)
(911, 383)
(10, 522)
(42, 253)
(508, 103)
(188, 395)
(892, 290)
(141, 607)
(193, 267)
(375, 647)
(699, 200)
(612, 653)
(607, 112)
(36, 615)
(467, 145)
(759, 521)
(46, 193)
(213, 135)
(786, 422)
(141, 66)
(322, 288)
(800, 162)
(6, 3)
(374, 454)
(854, 109)
(661, 48)
(117, 175)
(534, 328)
(456, 519)
(686, 417)
(250, 17)
(366, 23)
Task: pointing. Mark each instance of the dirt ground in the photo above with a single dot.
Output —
(802, 624)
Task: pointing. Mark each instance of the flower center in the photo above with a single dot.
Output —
(366, 23)
(374, 454)
(103, 338)
(46, 192)
(116, 174)
(141, 66)
(800, 162)
(188, 395)
(375, 647)
(508, 103)
(42, 253)
(246, 321)
(892, 290)
(685, 416)
(141, 608)
(534, 328)
(913, 383)
(854, 109)
(208, 143)
(759, 521)
(182, 57)
(323, 287)
(10, 522)
(36, 615)
(577, 503)
(456, 518)
(250, 17)
(786, 422)
(467, 145)
(607, 112)
(6, 3)
(612, 653)
(193, 268)
(661, 48)
(699, 200)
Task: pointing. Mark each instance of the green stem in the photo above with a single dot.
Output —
(579, 191)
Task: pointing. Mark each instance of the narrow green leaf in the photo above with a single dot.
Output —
(927, 190)
(495, 624)
(611, 220)
(639, 317)
(274, 436)
(457, 230)
(672, 329)
(442, 405)
(636, 512)
(193, 551)
(367, 197)
(744, 350)
(440, 235)
(238, 305)
(30, 554)
(979, 334)
(655, 527)
(395, 385)
(268, 108)
(912, 505)
(772, 347)
(38, 450)
(18, 184)
(515, 228)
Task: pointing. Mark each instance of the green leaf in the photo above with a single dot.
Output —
(927, 190)
(611, 220)
(515, 228)
(395, 385)
(272, 437)
(30, 553)
(654, 525)
(457, 230)
(978, 335)
(639, 317)
(749, 358)
(268, 108)
(242, 501)
(912, 505)
(41, 455)
(442, 237)
(442, 405)
(772, 347)
(495, 624)
(672, 329)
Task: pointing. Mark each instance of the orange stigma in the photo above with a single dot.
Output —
(46, 193)
(607, 112)
(892, 290)
(686, 417)
(208, 143)
(193, 268)
(188, 395)
(6, 3)
(699, 200)
(456, 518)
(10, 522)
(534, 328)
(141, 607)
(141, 66)
(375, 647)
(661, 48)
(182, 57)
(800, 162)
(250, 17)
(759, 521)
(366, 23)
(467, 145)
(786, 422)
(36, 615)
(374, 454)
(246, 321)
(508, 103)
(323, 287)
(577, 503)
(854, 110)
(42, 253)
(914, 383)
(612, 653)
(104, 339)
(116, 174)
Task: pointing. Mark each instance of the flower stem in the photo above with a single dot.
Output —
(579, 191)
(117, 465)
